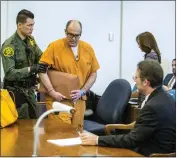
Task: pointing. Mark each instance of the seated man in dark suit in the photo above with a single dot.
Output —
(155, 129)
(170, 79)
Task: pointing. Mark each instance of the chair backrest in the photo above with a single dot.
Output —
(113, 102)
(172, 92)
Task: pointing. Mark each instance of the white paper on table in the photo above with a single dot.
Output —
(66, 142)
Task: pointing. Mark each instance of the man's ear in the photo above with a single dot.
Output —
(146, 83)
(19, 24)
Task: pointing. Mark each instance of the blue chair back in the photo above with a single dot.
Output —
(113, 102)
(172, 92)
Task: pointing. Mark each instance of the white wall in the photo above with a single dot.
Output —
(157, 17)
(98, 19)
(3, 28)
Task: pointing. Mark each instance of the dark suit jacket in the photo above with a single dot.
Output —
(167, 79)
(155, 129)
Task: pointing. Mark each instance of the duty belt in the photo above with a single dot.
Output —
(24, 84)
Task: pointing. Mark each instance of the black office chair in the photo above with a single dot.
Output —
(40, 108)
(110, 108)
(91, 103)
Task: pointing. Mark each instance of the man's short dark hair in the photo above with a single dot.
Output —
(69, 22)
(152, 71)
(174, 59)
(23, 15)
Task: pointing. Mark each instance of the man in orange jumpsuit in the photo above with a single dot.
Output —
(70, 55)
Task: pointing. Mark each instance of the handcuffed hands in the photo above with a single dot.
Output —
(56, 95)
(77, 94)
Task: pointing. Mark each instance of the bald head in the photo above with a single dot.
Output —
(73, 32)
(75, 23)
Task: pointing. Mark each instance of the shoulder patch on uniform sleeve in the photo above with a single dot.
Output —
(8, 51)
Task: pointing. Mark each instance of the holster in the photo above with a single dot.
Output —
(19, 96)
(27, 83)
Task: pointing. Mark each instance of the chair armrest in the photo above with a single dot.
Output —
(110, 127)
(163, 155)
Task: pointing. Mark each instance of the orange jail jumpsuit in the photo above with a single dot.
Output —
(60, 56)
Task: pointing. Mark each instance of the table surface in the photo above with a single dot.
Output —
(17, 140)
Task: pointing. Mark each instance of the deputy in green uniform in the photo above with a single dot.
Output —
(20, 58)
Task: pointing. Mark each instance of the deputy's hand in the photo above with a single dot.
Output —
(34, 68)
(76, 94)
(38, 68)
(56, 95)
(88, 139)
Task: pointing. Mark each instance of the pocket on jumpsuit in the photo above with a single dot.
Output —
(61, 116)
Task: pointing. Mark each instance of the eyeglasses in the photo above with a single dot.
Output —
(135, 77)
(71, 35)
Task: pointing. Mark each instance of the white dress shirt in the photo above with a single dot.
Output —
(171, 82)
(145, 100)
(75, 51)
